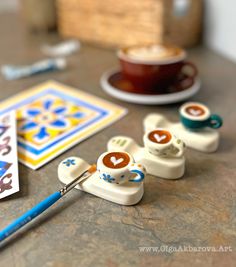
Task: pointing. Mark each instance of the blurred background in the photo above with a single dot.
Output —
(117, 23)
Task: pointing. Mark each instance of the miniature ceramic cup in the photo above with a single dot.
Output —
(161, 142)
(153, 68)
(195, 115)
(119, 167)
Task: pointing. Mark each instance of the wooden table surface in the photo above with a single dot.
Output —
(82, 230)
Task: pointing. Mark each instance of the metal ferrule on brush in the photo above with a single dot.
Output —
(65, 189)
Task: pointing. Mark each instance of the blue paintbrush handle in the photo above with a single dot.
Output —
(29, 215)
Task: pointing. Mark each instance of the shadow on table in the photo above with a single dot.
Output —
(227, 144)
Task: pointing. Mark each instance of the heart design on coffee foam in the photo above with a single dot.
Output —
(159, 138)
(194, 112)
(116, 161)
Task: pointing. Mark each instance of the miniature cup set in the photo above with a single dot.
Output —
(53, 117)
(121, 171)
(150, 74)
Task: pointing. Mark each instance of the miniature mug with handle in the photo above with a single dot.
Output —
(119, 167)
(194, 115)
(161, 142)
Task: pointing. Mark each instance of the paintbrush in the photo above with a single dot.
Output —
(43, 205)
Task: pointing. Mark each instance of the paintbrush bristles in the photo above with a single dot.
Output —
(92, 168)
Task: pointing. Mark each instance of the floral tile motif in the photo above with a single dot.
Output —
(53, 117)
(45, 119)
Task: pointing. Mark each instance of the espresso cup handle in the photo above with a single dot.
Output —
(185, 83)
(186, 80)
(139, 171)
(215, 121)
(179, 144)
(192, 67)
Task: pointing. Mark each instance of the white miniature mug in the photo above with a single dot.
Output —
(119, 167)
(161, 142)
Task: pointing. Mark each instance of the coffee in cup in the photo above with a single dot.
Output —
(119, 167)
(161, 142)
(153, 53)
(195, 115)
(153, 68)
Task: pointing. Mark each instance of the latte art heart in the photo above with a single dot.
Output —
(159, 138)
(194, 112)
(116, 161)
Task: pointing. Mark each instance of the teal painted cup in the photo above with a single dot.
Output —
(194, 115)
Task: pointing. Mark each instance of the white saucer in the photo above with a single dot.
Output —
(153, 99)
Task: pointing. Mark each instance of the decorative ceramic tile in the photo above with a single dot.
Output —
(53, 117)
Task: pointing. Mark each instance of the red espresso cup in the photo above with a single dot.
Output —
(153, 68)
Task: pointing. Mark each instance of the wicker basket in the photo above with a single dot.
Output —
(120, 23)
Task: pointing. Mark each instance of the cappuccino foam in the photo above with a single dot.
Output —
(153, 52)
(116, 160)
(195, 110)
(160, 136)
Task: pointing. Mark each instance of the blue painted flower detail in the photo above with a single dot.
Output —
(48, 118)
(69, 162)
(107, 177)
